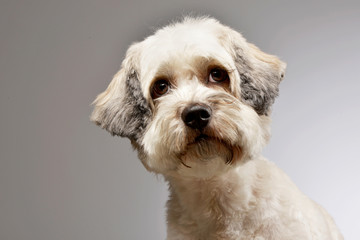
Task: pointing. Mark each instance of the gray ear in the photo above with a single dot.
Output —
(260, 74)
(260, 79)
(122, 108)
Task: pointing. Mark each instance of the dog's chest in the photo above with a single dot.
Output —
(209, 225)
(209, 212)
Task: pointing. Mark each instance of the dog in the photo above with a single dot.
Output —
(195, 101)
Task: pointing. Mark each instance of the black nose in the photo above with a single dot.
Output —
(196, 116)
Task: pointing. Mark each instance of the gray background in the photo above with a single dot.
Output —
(61, 177)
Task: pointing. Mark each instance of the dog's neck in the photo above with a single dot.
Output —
(213, 202)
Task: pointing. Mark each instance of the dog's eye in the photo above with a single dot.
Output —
(160, 88)
(218, 75)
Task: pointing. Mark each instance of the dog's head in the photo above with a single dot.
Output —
(194, 98)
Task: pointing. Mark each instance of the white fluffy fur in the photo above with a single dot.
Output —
(221, 188)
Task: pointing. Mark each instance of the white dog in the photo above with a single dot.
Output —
(195, 99)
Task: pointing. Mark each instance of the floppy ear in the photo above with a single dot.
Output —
(122, 108)
(260, 74)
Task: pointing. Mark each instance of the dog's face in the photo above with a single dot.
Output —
(193, 98)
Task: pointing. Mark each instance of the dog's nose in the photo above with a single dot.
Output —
(196, 116)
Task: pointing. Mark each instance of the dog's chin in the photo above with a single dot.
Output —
(206, 156)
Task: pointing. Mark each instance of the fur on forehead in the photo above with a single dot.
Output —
(183, 47)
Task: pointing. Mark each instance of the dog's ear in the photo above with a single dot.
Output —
(122, 108)
(260, 73)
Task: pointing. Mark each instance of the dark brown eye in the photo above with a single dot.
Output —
(218, 75)
(160, 88)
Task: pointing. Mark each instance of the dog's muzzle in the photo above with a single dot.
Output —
(196, 116)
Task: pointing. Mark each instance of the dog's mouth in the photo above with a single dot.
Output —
(204, 144)
(201, 137)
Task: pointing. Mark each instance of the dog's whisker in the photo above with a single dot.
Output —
(182, 162)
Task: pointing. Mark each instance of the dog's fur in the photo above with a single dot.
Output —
(220, 185)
